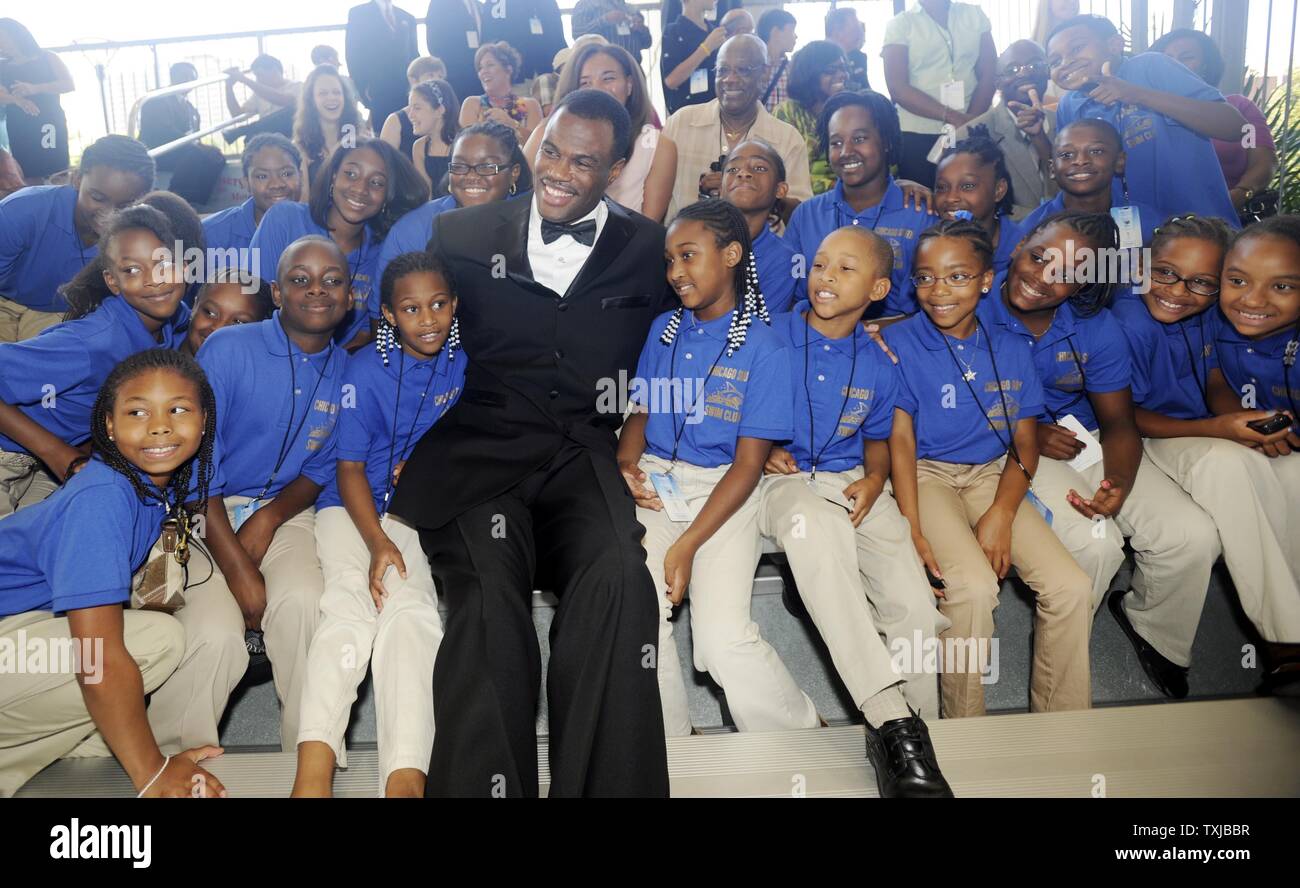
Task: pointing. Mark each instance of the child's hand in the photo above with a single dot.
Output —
(383, 556)
(926, 554)
(1110, 90)
(873, 330)
(1058, 442)
(1233, 427)
(250, 595)
(644, 496)
(397, 472)
(677, 570)
(183, 778)
(993, 531)
(780, 462)
(256, 533)
(917, 195)
(1106, 502)
(863, 494)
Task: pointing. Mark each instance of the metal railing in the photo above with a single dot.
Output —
(133, 117)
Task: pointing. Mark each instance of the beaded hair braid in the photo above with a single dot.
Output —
(728, 226)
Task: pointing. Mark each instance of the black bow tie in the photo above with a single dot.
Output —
(583, 232)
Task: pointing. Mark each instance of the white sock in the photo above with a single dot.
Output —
(884, 706)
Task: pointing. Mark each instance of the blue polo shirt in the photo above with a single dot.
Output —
(387, 410)
(1148, 216)
(1168, 370)
(901, 226)
(1170, 167)
(1254, 367)
(951, 426)
(833, 415)
(1009, 234)
(79, 547)
(774, 262)
(1075, 357)
(258, 395)
(54, 377)
(287, 221)
(410, 234)
(231, 231)
(39, 247)
(749, 394)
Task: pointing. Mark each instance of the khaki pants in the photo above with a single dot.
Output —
(1174, 541)
(952, 499)
(185, 711)
(864, 587)
(43, 715)
(401, 641)
(18, 322)
(23, 481)
(761, 693)
(1255, 503)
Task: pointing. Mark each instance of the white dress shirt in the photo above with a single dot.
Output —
(556, 265)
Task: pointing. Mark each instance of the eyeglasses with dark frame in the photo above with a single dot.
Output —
(1201, 286)
(457, 168)
(956, 279)
(744, 72)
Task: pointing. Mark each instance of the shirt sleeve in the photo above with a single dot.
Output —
(1109, 367)
(13, 236)
(88, 562)
(880, 419)
(898, 30)
(36, 369)
(1157, 71)
(268, 243)
(353, 432)
(904, 396)
(768, 410)
(1250, 111)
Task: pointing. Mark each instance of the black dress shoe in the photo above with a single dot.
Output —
(903, 757)
(1169, 678)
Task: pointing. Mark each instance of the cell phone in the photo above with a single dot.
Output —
(935, 582)
(1270, 426)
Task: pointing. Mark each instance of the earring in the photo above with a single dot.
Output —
(513, 187)
(453, 339)
(985, 290)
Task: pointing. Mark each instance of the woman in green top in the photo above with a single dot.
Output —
(817, 72)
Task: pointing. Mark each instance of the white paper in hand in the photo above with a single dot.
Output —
(1091, 453)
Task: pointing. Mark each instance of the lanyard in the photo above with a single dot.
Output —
(835, 428)
(672, 369)
(839, 216)
(419, 408)
(290, 432)
(1010, 441)
(1083, 380)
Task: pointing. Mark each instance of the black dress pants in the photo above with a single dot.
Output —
(570, 526)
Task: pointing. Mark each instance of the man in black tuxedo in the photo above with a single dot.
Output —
(380, 43)
(454, 29)
(517, 487)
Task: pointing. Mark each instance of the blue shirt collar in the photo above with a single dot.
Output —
(396, 358)
(65, 209)
(891, 200)
(799, 326)
(1063, 323)
(714, 329)
(933, 338)
(1273, 346)
(278, 343)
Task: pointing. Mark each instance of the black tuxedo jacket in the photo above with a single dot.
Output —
(539, 361)
(377, 57)
(447, 25)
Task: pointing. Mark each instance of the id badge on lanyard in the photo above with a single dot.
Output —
(670, 494)
(1129, 222)
(245, 511)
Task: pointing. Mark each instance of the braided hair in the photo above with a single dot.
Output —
(87, 290)
(178, 488)
(411, 263)
(963, 229)
(1100, 230)
(981, 145)
(1207, 228)
(728, 226)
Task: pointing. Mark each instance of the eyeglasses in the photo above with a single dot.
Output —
(744, 72)
(1026, 68)
(956, 279)
(483, 169)
(1201, 286)
(836, 69)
